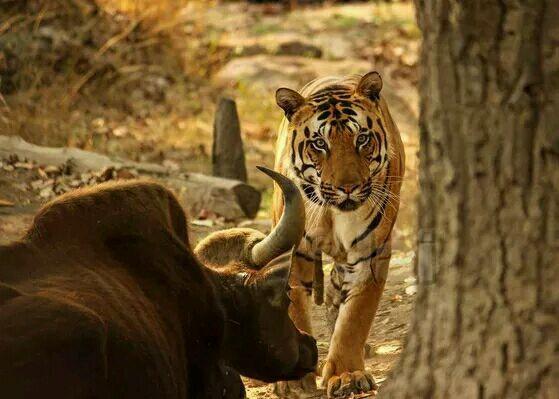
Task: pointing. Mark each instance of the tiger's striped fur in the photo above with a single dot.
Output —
(338, 142)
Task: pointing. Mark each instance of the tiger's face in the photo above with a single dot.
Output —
(338, 143)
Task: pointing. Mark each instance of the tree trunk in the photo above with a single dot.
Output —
(486, 321)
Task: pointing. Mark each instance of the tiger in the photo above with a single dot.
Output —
(338, 142)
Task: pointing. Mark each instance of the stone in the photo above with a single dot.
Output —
(299, 48)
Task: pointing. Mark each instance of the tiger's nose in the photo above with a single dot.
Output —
(349, 188)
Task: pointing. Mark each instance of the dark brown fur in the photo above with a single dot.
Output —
(103, 298)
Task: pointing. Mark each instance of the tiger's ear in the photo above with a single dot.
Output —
(289, 100)
(370, 85)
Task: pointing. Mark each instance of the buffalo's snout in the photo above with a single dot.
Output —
(308, 355)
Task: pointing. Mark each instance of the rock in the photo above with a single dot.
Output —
(411, 290)
(23, 165)
(196, 232)
(37, 184)
(51, 169)
(410, 280)
(270, 72)
(121, 131)
(259, 72)
(278, 43)
(46, 192)
(249, 50)
(75, 183)
(126, 174)
(107, 173)
(42, 174)
(263, 225)
(228, 155)
(335, 46)
(231, 199)
(68, 167)
(171, 165)
(86, 177)
(61, 188)
(299, 48)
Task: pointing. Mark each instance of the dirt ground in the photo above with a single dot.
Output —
(259, 48)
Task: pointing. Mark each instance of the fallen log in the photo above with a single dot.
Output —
(82, 161)
(6, 203)
(229, 198)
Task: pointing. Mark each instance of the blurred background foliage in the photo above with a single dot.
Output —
(140, 78)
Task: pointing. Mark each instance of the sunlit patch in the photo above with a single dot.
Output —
(392, 348)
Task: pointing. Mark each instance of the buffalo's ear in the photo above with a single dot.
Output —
(274, 280)
(289, 100)
(370, 85)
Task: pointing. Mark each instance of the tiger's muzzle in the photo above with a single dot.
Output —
(347, 197)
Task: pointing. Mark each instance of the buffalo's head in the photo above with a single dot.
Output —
(252, 274)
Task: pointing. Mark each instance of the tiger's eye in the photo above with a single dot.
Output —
(363, 139)
(320, 143)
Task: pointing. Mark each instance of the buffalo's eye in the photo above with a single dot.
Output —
(363, 139)
(320, 144)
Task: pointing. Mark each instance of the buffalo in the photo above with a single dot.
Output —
(103, 297)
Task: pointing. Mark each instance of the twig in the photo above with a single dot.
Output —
(40, 17)
(81, 82)
(117, 38)
(9, 22)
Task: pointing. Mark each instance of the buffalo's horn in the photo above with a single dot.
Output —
(290, 228)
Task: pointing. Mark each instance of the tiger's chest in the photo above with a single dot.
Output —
(335, 233)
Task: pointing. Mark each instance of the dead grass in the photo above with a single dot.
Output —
(109, 75)
(160, 16)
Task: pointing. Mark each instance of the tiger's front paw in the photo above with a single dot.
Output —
(303, 388)
(348, 383)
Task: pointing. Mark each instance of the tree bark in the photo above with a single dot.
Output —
(486, 320)
(228, 156)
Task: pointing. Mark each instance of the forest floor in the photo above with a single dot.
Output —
(254, 49)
